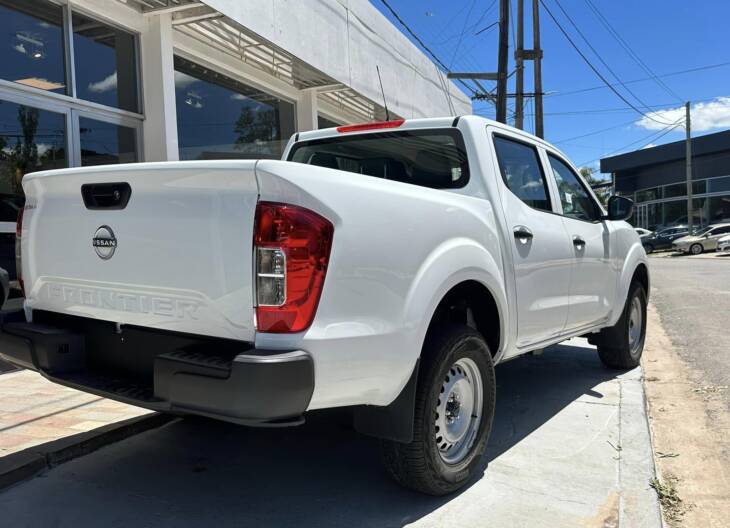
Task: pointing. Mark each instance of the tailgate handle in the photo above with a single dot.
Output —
(106, 195)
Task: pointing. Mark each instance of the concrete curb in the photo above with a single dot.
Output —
(22, 465)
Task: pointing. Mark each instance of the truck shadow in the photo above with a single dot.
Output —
(199, 472)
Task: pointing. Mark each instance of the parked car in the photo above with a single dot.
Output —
(384, 267)
(642, 232)
(723, 244)
(663, 238)
(704, 240)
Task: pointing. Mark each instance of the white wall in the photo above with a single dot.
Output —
(346, 39)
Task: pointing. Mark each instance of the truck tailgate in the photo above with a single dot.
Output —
(177, 257)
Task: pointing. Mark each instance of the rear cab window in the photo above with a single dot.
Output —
(434, 158)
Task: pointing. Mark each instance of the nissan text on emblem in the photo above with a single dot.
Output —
(104, 242)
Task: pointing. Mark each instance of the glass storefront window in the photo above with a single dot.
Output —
(699, 187)
(32, 42)
(218, 117)
(718, 209)
(719, 184)
(30, 140)
(647, 195)
(106, 143)
(106, 64)
(675, 190)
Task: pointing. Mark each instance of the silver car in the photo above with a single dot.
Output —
(704, 240)
(723, 244)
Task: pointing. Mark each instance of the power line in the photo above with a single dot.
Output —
(651, 137)
(566, 140)
(615, 34)
(461, 35)
(670, 74)
(600, 58)
(423, 44)
(592, 67)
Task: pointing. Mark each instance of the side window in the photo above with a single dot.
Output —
(577, 203)
(522, 173)
(721, 230)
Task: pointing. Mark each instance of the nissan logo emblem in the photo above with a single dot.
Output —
(104, 242)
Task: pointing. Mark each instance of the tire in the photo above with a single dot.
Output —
(696, 249)
(621, 346)
(452, 358)
(649, 249)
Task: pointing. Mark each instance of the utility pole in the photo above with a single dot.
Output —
(688, 128)
(502, 61)
(519, 66)
(537, 63)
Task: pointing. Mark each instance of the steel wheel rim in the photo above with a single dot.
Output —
(635, 323)
(458, 411)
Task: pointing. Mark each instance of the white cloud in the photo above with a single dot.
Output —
(705, 116)
(106, 84)
(182, 80)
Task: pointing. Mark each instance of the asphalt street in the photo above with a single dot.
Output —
(693, 299)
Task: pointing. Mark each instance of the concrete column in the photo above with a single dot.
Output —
(158, 89)
(307, 110)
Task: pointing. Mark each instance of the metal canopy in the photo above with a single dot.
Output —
(211, 28)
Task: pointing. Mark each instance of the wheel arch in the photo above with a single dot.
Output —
(456, 272)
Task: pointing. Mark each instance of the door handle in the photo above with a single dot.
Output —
(522, 234)
(578, 242)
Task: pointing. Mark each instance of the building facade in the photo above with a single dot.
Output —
(655, 178)
(86, 82)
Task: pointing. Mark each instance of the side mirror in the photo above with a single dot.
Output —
(619, 208)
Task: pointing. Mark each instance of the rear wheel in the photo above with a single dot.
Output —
(621, 345)
(453, 414)
(696, 249)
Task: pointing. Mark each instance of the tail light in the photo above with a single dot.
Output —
(18, 262)
(292, 246)
(395, 123)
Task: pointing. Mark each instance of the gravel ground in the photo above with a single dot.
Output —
(693, 299)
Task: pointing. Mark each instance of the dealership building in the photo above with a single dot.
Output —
(656, 179)
(85, 82)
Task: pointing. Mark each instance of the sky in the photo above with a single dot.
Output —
(633, 41)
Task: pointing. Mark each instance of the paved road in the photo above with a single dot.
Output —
(570, 447)
(692, 296)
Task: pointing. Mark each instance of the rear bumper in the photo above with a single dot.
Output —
(253, 387)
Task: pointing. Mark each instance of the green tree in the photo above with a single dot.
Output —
(603, 193)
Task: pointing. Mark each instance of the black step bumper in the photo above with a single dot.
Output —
(256, 387)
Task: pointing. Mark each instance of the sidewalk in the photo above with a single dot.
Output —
(34, 411)
(570, 447)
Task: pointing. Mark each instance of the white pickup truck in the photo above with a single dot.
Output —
(385, 267)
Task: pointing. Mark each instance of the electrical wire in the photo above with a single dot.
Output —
(567, 140)
(615, 34)
(650, 138)
(423, 44)
(600, 58)
(592, 67)
(670, 74)
(461, 35)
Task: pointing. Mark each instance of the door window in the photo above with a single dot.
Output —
(574, 197)
(522, 172)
